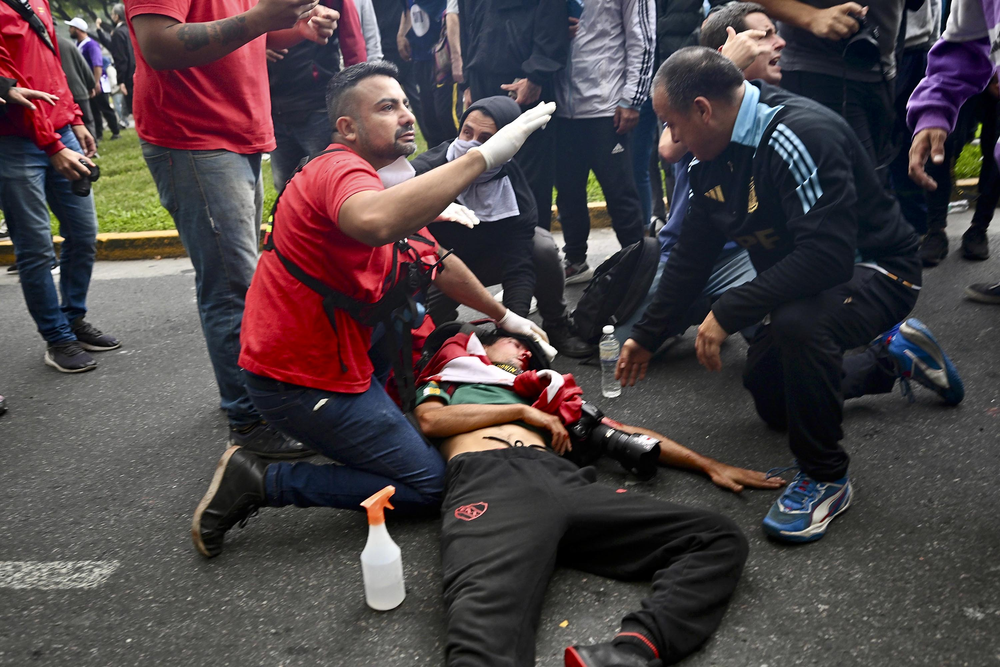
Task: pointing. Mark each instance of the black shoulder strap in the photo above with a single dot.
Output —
(269, 225)
(25, 11)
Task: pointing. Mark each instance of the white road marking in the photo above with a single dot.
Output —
(55, 575)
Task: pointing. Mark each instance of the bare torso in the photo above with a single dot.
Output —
(491, 437)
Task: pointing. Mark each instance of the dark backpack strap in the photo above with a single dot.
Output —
(269, 224)
(27, 13)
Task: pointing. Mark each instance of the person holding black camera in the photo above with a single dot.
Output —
(514, 508)
(46, 152)
(842, 55)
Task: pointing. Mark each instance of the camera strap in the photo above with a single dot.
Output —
(26, 12)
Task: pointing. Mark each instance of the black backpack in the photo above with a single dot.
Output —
(618, 287)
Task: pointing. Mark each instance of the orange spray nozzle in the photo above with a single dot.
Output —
(377, 503)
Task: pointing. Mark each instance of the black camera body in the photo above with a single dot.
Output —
(593, 438)
(81, 187)
(861, 50)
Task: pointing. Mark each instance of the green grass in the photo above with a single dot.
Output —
(126, 197)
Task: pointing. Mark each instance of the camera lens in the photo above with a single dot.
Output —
(636, 452)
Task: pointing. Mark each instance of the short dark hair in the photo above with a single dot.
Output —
(338, 97)
(713, 30)
(697, 71)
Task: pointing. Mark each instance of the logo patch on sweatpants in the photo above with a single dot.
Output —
(470, 512)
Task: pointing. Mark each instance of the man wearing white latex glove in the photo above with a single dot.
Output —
(503, 145)
(336, 224)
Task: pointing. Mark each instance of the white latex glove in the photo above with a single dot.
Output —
(502, 146)
(460, 214)
(514, 323)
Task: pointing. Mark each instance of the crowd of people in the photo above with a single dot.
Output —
(807, 150)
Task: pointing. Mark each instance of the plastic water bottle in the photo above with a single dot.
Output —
(609, 348)
(381, 560)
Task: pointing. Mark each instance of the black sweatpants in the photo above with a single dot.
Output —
(537, 156)
(489, 266)
(437, 118)
(797, 372)
(582, 145)
(867, 108)
(510, 516)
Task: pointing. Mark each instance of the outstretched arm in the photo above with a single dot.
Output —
(723, 475)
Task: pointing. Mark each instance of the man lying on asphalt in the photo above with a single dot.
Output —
(338, 252)
(836, 266)
(513, 510)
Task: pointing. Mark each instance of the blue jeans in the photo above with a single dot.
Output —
(732, 269)
(297, 140)
(365, 432)
(643, 145)
(215, 199)
(27, 181)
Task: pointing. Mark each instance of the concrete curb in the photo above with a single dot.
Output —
(166, 243)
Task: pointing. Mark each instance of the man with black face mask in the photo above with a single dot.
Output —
(508, 247)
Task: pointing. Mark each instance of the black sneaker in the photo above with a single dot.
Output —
(975, 245)
(235, 494)
(577, 273)
(563, 337)
(12, 268)
(264, 441)
(3, 405)
(91, 338)
(603, 655)
(69, 357)
(934, 247)
(984, 292)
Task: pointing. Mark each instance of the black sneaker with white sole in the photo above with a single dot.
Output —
(984, 292)
(91, 338)
(69, 357)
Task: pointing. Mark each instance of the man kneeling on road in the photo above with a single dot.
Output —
(836, 266)
(335, 256)
(513, 510)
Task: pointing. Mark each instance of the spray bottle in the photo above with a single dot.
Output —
(381, 560)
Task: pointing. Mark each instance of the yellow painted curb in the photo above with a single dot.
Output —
(166, 243)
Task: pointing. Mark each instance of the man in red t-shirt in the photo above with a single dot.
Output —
(203, 114)
(41, 151)
(311, 377)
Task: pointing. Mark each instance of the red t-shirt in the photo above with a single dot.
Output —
(286, 334)
(225, 104)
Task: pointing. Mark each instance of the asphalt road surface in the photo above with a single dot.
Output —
(100, 473)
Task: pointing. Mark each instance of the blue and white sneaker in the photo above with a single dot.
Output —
(806, 508)
(918, 356)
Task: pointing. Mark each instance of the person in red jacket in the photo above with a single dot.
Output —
(44, 150)
(203, 115)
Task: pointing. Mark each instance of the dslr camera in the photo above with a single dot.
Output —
(592, 437)
(81, 187)
(861, 50)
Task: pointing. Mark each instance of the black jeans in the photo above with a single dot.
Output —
(437, 119)
(582, 145)
(797, 372)
(510, 516)
(867, 108)
(537, 156)
(989, 177)
(912, 198)
(492, 266)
